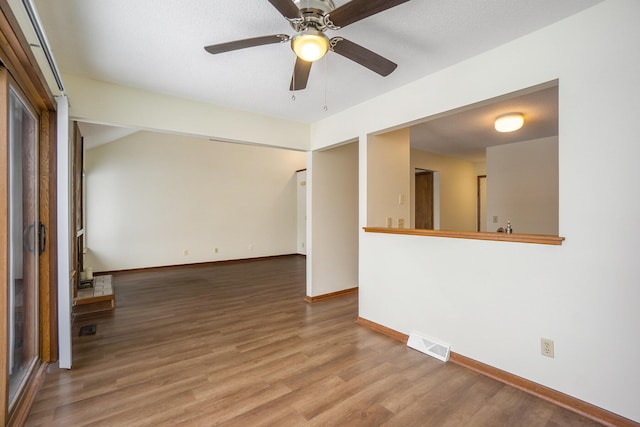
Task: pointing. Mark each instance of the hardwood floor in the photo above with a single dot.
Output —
(236, 344)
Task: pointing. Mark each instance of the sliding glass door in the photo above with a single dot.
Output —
(23, 234)
(28, 203)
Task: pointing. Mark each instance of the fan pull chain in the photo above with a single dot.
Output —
(325, 108)
(293, 84)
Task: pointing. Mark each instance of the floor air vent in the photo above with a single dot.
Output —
(87, 330)
(428, 346)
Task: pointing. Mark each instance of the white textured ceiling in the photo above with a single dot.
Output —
(157, 45)
(467, 132)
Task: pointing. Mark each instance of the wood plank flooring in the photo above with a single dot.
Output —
(236, 345)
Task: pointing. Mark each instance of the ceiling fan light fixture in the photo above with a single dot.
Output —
(509, 122)
(310, 45)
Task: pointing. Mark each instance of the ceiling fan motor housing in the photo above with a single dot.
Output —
(323, 5)
(313, 13)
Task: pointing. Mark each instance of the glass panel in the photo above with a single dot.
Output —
(23, 243)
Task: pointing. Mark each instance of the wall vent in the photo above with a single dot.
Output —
(429, 346)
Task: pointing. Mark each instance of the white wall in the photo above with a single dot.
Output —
(333, 240)
(522, 186)
(151, 196)
(389, 179)
(457, 188)
(494, 300)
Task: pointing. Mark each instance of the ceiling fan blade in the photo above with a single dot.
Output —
(241, 44)
(300, 74)
(287, 8)
(356, 10)
(362, 56)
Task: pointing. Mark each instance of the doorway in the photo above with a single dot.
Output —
(482, 203)
(424, 199)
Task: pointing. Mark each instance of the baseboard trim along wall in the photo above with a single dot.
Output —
(196, 264)
(571, 403)
(383, 329)
(330, 295)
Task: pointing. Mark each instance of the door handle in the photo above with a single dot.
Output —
(42, 238)
(28, 237)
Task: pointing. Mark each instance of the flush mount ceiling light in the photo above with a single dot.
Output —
(509, 122)
(311, 45)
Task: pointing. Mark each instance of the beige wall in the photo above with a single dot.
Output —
(107, 103)
(332, 243)
(522, 186)
(457, 189)
(388, 178)
(152, 196)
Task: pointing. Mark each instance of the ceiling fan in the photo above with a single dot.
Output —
(310, 19)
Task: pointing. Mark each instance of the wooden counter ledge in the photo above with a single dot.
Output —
(503, 237)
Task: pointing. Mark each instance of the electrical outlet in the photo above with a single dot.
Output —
(495, 219)
(185, 252)
(215, 250)
(400, 222)
(389, 222)
(546, 347)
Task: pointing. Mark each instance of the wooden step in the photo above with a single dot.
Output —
(100, 296)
